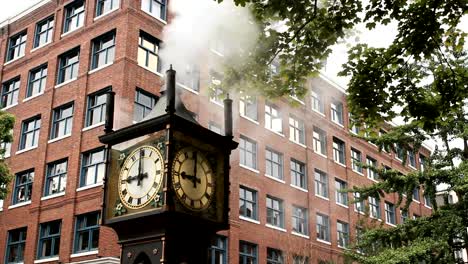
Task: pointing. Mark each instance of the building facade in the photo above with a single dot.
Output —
(59, 58)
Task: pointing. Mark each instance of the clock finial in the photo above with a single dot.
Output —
(228, 116)
(170, 90)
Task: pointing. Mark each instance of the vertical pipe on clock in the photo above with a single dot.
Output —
(170, 90)
(228, 116)
(109, 121)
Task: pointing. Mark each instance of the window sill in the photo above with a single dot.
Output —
(46, 260)
(13, 60)
(10, 106)
(71, 31)
(33, 96)
(342, 205)
(322, 197)
(412, 167)
(342, 247)
(339, 163)
(105, 14)
(359, 212)
(82, 254)
(390, 224)
(151, 70)
(249, 219)
(275, 227)
(299, 188)
(65, 82)
(159, 19)
(188, 88)
(323, 241)
(375, 218)
(248, 168)
(318, 112)
(357, 172)
(25, 150)
(249, 119)
(300, 235)
(298, 143)
(19, 204)
(427, 206)
(59, 138)
(100, 68)
(216, 102)
(217, 52)
(416, 201)
(297, 99)
(337, 123)
(39, 47)
(86, 187)
(320, 154)
(277, 133)
(51, 196)
(275, 179)
(93, 126)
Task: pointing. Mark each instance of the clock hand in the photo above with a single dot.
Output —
(140, 167)
(191, 178)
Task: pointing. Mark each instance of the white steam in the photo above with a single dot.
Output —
(203, 25)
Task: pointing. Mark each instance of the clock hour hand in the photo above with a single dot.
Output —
(191, 178)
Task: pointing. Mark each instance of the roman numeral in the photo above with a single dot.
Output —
(151, 154)
(158, 172)
(139, 201)
(133, 158)
(157, 160)
(192, 203)
(130, 200)
(184, 196)
(124, 192)
(207, 196)
(155, 185)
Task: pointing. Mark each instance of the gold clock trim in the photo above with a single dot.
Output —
(193, 179)
(130, 161)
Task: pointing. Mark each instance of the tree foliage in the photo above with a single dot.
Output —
(421, 76)
(6, 125)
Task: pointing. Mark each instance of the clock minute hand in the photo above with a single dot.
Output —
(191, 178)
(140, 167)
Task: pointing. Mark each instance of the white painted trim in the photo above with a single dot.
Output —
(248, 168)
(341, 164)
(216, 52)
(59, 138)
(71, 31)
(25, 150)
(15, 59)
(320, 154)
(93, 126)
(216, 103)
(318, 112)
(86, 187)
(188, 88)
(297, 143)
(277, 133)
(390, 224)
(248, 119)
(322, 197)
(19, 204)
(323, 241)
(53, 196)
(82, 254)
(33, 96)
(338, 124)
(46, 260)
(99, 260)
(151, 70)
(41, 46)
(300, 235)
(159, 19)
(275, 179)
(107, 13)
(342, 205)
(10, 106)
(100, 68)
(275, 227)
(298, 188)
(249, 219)
(357, 172)
(65, 82)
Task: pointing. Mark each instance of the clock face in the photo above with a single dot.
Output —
(140, 177)
(192, 179)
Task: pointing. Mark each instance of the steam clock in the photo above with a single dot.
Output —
(167, 183)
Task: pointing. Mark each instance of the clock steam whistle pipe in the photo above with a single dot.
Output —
(228, 116)
(170, 90)
(110, 102)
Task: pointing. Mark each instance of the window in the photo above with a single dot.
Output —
(274, 164)
(358, 205)
(341, 197)
(44, 32)
(23, 187)
(317, 102)
(273, 119)
(37, 81)
(374, 207)
(427, 200)
(62, 121)
(248, 152)
(215, 128)
(30, 133)
(189, 77)
(248, 107)
(247, 253)
(399, 153)
(69, 63)
(353, 126)
(10, 92)
(87, 232)
(390, 213)
(148, 49)
(356, 158)
(247, 203)
(300, 223)
(403, 216)
(416, 194)
(342, 230)
(56, 180)
(217, 253)
(103, 52)
(144, 103)
(338, 151)
(93, 167)
(96, 108)
(337, 112)
(49, 240)
(156, 8)
(422, 162)
(216, 92)
(320, 141)
(412, 158)
(16, 46)
(275, 211)
(323, 227)
(300, 260)
(274, 256)
(296, 130)
(74, 16)
(105, 6)
(298, 174)
(6, 147)
(371, 174)
(15, 245)
(321, 183)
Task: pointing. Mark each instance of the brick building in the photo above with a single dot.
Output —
(58, 58)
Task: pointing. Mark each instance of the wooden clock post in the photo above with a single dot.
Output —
(166, 189)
